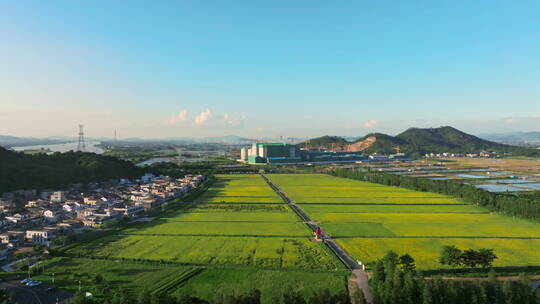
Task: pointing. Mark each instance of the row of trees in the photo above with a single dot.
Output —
(121, 296)
(524, 205)
(392, 283)
(7, 297)
(455, 257)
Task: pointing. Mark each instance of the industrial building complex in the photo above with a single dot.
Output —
(283, 153)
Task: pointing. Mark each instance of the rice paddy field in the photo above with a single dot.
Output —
(368, 220)
(241, 188)
(207, 282)
(238, 233)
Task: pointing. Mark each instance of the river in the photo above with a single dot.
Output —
(65, 147)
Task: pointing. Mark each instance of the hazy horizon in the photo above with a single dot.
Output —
(303, 69)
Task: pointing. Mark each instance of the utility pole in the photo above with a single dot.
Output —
(53, 280)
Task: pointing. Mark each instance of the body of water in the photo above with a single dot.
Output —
(70, 146)
(156, 160)
(500, 188)
(512, 181)
(170, 159)
(531, 186)
(471, 176)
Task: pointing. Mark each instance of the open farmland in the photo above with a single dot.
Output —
(326, 189)
(238, 228)
(206, 282)
(376, 218)
(242, 188)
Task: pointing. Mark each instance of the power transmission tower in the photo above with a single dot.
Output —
(179, 156)
(81, 146)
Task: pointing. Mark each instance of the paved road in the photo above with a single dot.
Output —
(360, 277)
(37, 294)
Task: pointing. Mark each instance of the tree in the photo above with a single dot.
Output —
(98, 278)
(78, 298)
(411, 292)
(485, 257)
(4, 297)
(390, 261)
(144, 297)
(185, 299)
(293, 298)
(427, 294)
(359, 296)
(537, 296)
(480, 292)
(451, 256)
(492, 276)
(406, 262)
(470, 258)
(377, 274)
(121, 297)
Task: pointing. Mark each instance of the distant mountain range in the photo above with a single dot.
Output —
(417, 141)
(515, 138)
(228, 139)
(12, 141)
(414, 140)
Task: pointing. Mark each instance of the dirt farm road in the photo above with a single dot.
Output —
(359, 277)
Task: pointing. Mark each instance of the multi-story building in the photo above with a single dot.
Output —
(58, 197)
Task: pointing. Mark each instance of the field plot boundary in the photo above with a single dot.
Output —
(219, 235)
(361, 277)
(386, 204)
(168, 263)
(439, 237)
(421, 226)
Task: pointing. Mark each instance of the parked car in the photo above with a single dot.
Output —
(26, 280)
(33, 283)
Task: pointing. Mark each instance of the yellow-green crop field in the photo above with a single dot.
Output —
(241, 188)
(510, 252)
(178, 280)
(370, 219)
(237, 228)
(326, 189)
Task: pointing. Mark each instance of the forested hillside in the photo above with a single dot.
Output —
(22, 171)
(418, 141)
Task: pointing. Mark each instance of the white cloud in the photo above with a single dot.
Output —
(204, 117)
(534, 116)
(233, 121)
(370, 123)
(509, 121)
(181, 116)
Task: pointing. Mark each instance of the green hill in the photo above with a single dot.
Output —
(418, 141)
(39, 171)
(384, 143)
(447, 139)
(326, 141)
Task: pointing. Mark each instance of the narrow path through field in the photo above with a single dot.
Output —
(360, 277)
(535, 277)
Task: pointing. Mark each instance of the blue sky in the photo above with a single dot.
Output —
(267, 68)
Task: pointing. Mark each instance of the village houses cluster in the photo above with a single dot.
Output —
(30, 217)
(482, 154)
